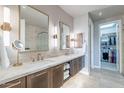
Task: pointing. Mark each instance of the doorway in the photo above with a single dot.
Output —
(109, 44)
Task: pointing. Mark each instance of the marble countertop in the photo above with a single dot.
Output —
(28, 68)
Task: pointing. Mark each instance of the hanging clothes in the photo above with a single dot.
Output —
(112, 57)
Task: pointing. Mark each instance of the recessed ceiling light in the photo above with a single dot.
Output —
(100, 13)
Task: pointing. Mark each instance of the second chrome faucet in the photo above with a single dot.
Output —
(39, 57)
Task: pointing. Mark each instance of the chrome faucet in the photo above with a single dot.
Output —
(33, 60)
(42, 57)
(38, 56)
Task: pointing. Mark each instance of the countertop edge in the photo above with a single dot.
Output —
(26, 73)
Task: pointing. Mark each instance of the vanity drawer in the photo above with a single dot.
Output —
(57, 76)
(18, 83)
(39, 80)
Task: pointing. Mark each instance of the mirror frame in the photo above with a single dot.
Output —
(60, 34)
(79, 40)
(19, 8)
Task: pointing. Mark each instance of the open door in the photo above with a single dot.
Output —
(109, 46)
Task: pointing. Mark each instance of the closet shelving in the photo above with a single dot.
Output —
(108, 47)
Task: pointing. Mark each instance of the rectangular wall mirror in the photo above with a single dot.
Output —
(64, 36)
(79, 40)
(34, 29)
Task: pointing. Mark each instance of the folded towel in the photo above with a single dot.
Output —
(66, 66)
(66, 72)
(65, 77)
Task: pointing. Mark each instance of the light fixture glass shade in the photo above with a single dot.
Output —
(6, 26)
(6, 20)
(6, 14)
(72, 38)
(55, 37)
(6, 38)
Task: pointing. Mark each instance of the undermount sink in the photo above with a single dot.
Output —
(45, 60)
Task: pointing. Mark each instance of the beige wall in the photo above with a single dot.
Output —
(55, 14)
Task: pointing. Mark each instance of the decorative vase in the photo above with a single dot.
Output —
(3, 55)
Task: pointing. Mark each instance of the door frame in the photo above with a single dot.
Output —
(118, 22)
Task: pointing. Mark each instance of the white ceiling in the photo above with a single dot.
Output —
(111, 11)
(78, 10)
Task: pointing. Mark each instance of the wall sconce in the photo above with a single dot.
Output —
(72, 39)
(6, 27)
(55, 36)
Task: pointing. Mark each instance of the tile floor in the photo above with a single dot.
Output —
(109, 66)
(97, 79)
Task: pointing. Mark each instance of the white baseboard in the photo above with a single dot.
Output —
(92, 67)
(85, 71)
(97, 67)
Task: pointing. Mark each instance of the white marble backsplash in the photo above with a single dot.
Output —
(29, 56)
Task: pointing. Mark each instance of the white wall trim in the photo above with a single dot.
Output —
(119, 23)
(85, 71)
(97, 67)
(91, 28)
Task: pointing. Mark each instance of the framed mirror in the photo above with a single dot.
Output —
(34, 29)
(64, 36)
(79, 40)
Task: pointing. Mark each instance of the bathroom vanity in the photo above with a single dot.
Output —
(42, 74)
(35, 37)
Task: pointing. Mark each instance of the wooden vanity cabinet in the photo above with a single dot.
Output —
(57, 76)
(76, 65)
(39, 80)
(72, 71)
(18, 83)
(49, 78)
(82, 62)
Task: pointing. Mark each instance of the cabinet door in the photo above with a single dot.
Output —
(18, 83)
(57, 76)
(80, 63)
(73, 67)
(81, 60)
(76, 66)
(38, 80)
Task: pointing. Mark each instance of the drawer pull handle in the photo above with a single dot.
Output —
(39, 74)
(58, 67)
(13, 84)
